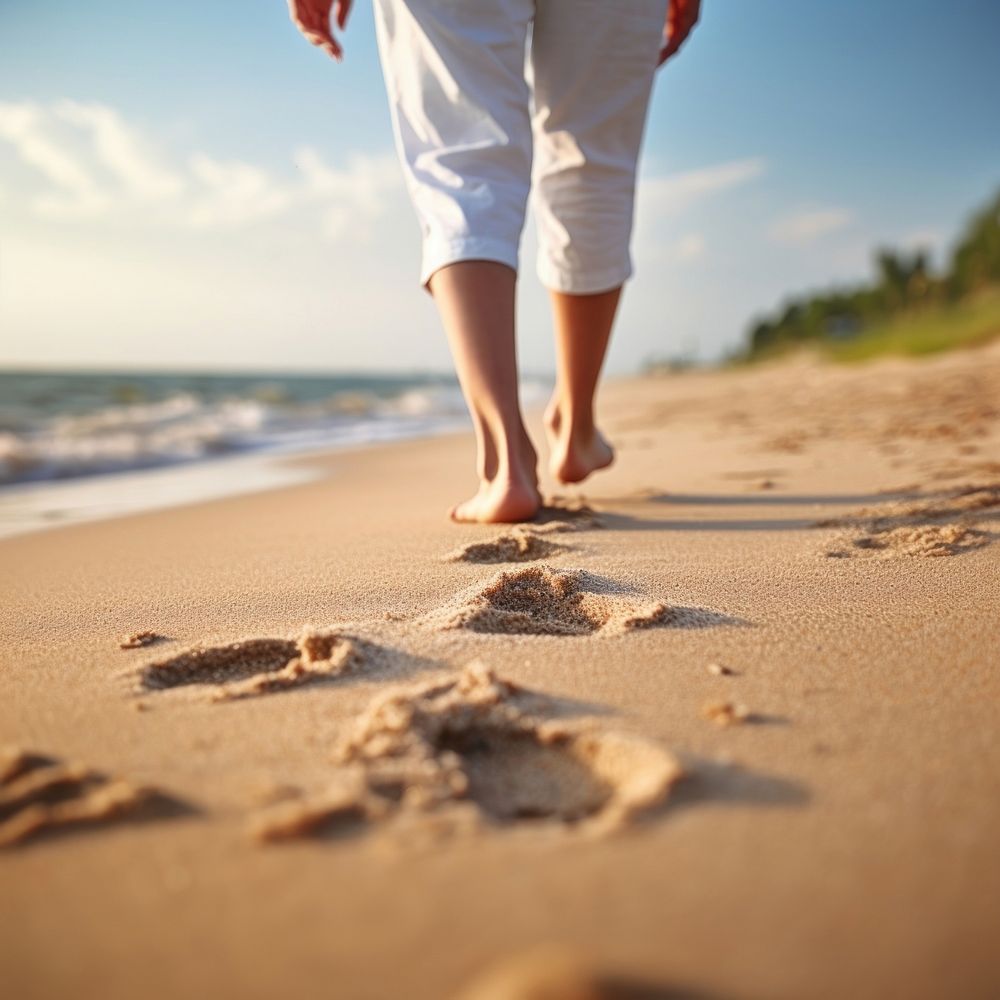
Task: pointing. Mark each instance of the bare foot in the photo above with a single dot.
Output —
(575, 453)
(505, 497)
(500, 502)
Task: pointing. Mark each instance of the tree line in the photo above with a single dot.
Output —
(903, 282)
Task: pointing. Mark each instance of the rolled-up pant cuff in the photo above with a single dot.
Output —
(438, 254)
(582, 281)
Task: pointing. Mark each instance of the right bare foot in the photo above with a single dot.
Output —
(574, 453)
(500, 502)
(504, 496)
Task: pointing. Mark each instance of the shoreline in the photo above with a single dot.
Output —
(34, 506)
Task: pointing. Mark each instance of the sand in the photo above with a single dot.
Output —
(721, 724)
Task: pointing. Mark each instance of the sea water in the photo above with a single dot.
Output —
(82, 444)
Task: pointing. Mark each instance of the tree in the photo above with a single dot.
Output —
(975, 261)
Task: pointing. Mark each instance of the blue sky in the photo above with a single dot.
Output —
(190, 185)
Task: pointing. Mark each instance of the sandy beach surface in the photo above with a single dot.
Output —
(725, 723)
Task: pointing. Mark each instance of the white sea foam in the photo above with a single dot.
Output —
(183, 429)
(55, 427)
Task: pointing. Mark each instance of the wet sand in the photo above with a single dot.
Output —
(723, 723)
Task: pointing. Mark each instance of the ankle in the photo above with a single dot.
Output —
(517, 465)
(578, 427)
(553, 411)
(515, 459)
(570, 421)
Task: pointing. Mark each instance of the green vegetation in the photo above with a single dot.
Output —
(906, 309)
(935, 328)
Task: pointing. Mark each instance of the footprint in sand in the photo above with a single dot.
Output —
(262, 666)
(39, 794)
(540, 600)
(516, 545)
(935, 526)
(921, 540)
(469, 751)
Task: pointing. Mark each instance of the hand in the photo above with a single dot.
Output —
(312, 18)
(682, 16)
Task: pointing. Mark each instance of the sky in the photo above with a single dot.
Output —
(191, 186)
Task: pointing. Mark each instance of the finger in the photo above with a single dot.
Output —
(343, 10)
(323, 37)
(673, 44)
(681, 19)
(675, 39)
(670, 29)
(689, 20)
(314, 23)
(319, 34)
(304, 17)
(326, 42)
(332, 48)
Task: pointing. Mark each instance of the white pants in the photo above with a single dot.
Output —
(468, 111)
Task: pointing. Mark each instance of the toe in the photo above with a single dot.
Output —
(459, 513)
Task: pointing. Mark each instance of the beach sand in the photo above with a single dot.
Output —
(725, 723)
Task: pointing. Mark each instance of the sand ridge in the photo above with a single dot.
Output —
(553, 972)
(727, 713)
(38, 794)
(542, 974)
(519, 544)
(542, 600)
(137, 640)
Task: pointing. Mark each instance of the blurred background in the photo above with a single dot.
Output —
(197, 208)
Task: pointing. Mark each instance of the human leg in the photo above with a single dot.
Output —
(476, 301)
(582, 331)
(592, 68)
(460, 108)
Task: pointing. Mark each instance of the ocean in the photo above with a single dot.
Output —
(83, 444)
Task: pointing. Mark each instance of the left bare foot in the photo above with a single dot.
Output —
(574, 453)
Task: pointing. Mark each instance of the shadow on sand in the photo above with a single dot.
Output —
(712, 783)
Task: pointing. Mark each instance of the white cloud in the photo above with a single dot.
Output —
(357, 193)
(120, 149)
(75, 190)
(673, 192)
(809, 225)
(95, 165)
(232, 194)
